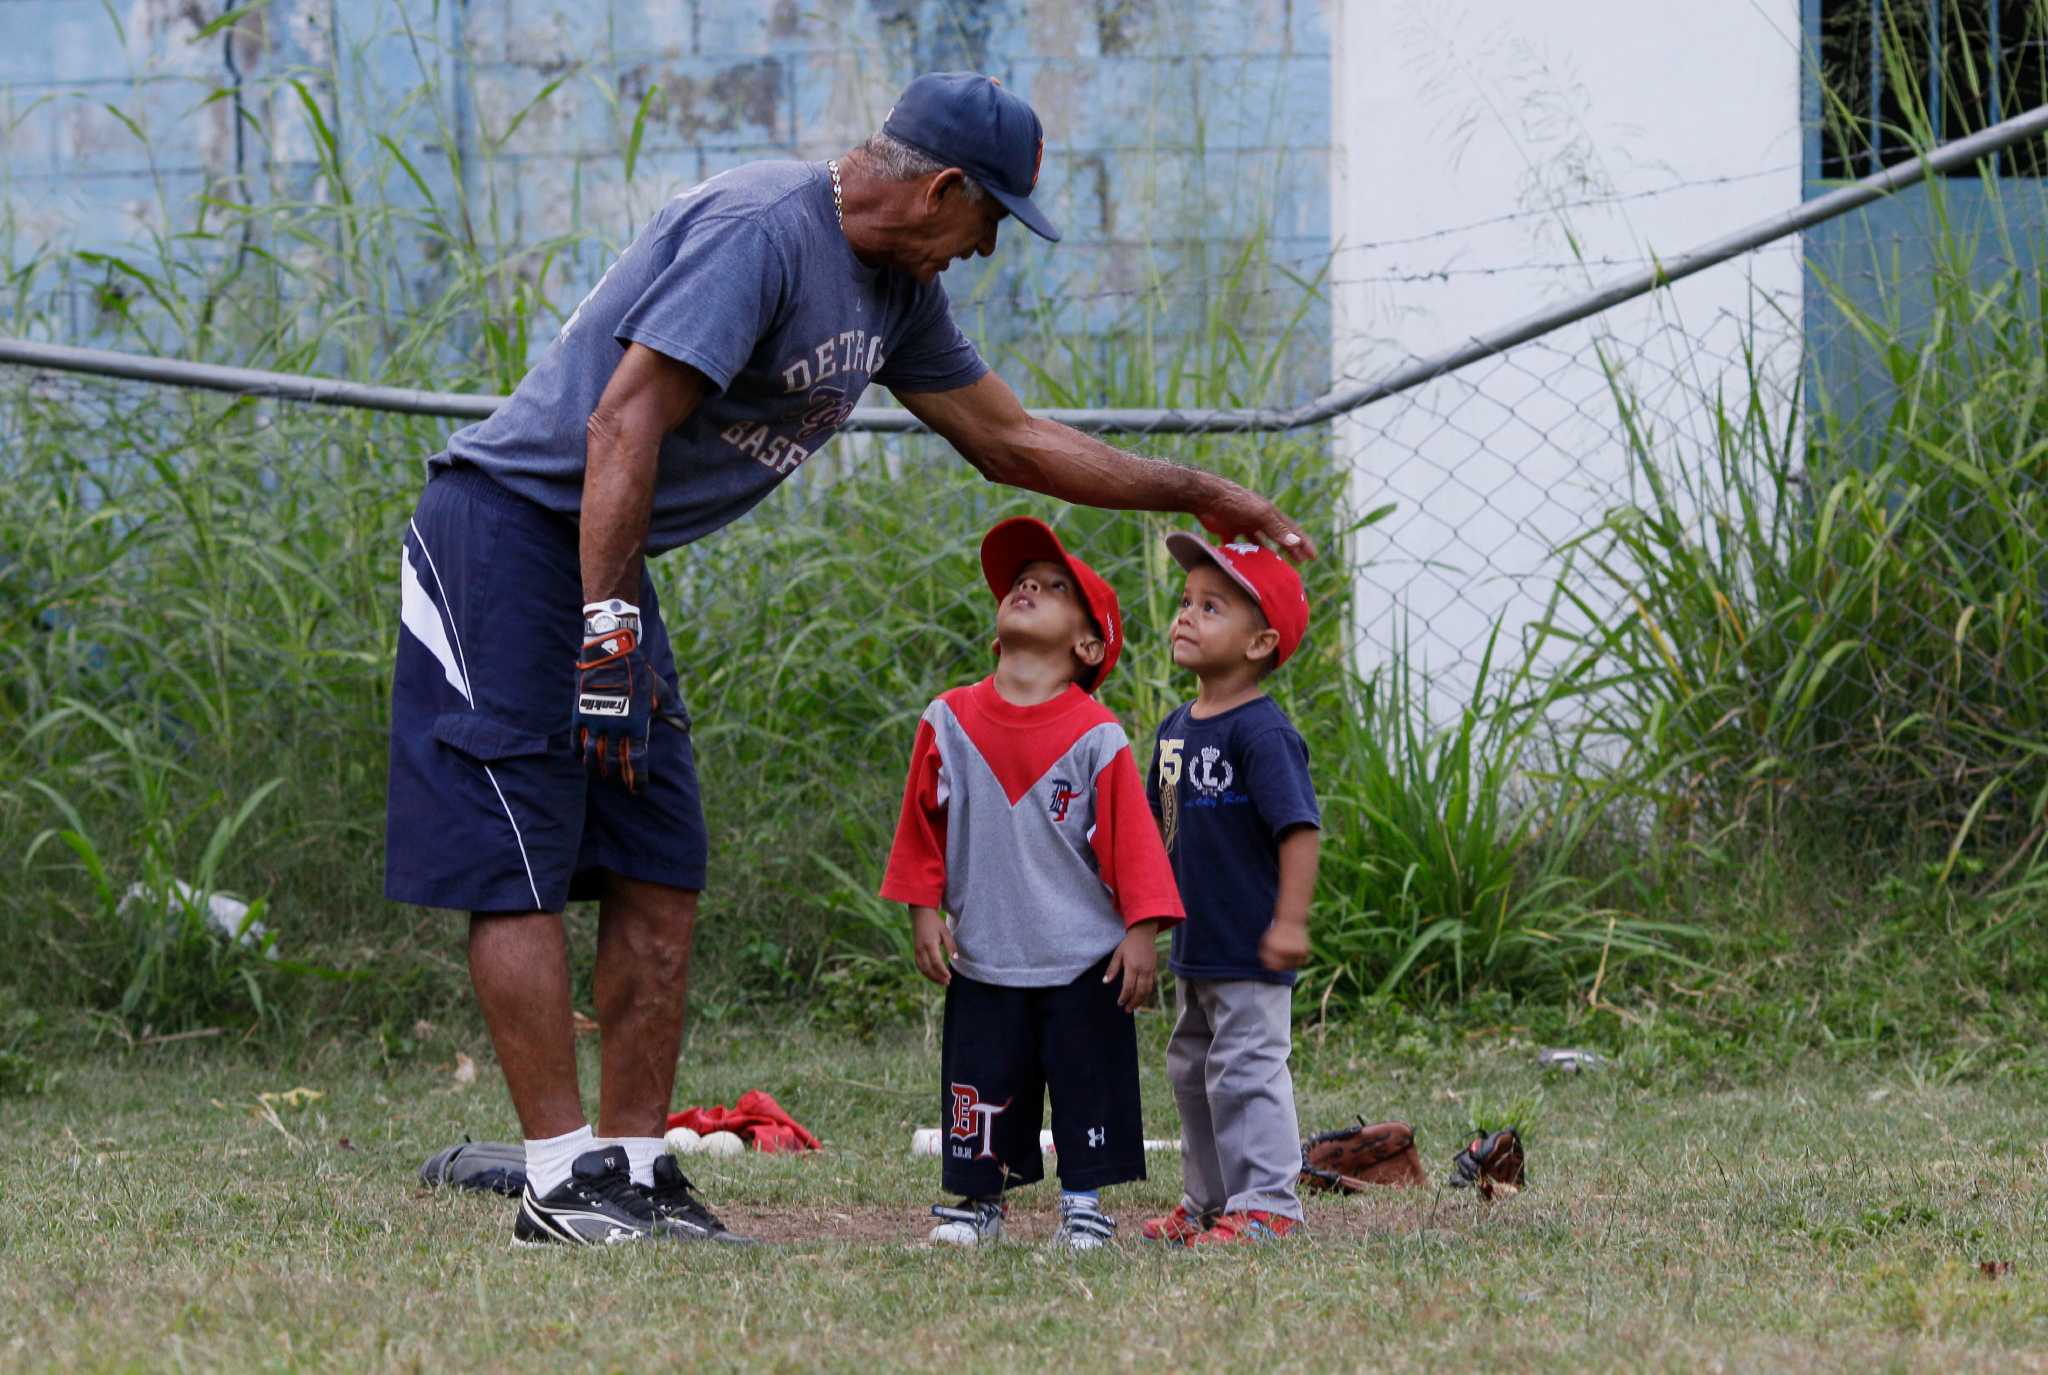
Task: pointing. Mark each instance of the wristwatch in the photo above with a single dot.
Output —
(602, 618)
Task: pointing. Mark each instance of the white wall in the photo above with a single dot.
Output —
(1474, 143)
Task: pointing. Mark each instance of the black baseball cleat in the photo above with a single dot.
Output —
(597, 1205)
(679, 1213)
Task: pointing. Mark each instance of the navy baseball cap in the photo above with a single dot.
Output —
(967, 120)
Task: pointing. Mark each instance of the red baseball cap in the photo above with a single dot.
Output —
(1269, 580)
(1025, 539)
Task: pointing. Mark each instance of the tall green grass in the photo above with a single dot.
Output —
(195, 632)
(1831, 615)
(1460, 856)
(1832, 633)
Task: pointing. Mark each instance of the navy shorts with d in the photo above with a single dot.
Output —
(490, 809)
(1003, 1049)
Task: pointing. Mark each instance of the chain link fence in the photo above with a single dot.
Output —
(1498, 457)
(1767, 559)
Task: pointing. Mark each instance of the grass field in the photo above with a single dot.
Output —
(157, 1216)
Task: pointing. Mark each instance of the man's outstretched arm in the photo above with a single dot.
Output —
(1007, 444)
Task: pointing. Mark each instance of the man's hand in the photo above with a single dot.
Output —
(1232, 512)
(1284, 946)
(1137, 959)
(1006, 443)
(617, 696)
(932, 945)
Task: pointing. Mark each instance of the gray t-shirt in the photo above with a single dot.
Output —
(747, 278)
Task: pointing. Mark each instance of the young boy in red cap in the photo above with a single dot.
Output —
(1230, 785)
(1037, 888)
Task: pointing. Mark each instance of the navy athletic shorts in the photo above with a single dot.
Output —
(1003, 1048)
(490, 809)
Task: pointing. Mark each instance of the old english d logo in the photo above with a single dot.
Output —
(1037, 161)
(975, 1117)
(1063, 796)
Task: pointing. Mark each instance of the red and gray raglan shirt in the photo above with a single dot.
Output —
(1029, 827)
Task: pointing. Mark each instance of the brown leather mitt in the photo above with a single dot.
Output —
(1350, 1158)
(1493, 1164)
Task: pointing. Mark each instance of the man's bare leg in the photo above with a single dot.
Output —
(519, 964)
(644, 934)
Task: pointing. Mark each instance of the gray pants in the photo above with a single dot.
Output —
(1240, 1141)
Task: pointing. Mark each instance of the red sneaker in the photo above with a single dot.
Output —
(1247, 1228)
(1177, 1228)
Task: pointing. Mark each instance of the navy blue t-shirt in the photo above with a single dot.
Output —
(747, 278)
(1226, 789)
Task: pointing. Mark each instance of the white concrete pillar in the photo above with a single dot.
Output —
(1493, 156)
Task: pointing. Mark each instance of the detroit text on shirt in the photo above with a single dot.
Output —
(848, 354)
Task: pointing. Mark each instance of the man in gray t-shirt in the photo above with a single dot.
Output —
(538, 757)
(747, 281)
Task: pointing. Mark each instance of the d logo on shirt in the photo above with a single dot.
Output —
(1063, 795)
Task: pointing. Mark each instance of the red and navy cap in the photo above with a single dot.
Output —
(1022, 539)
(1266, 578)
(967, 120)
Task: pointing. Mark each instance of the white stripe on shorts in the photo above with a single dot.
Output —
(418, 613)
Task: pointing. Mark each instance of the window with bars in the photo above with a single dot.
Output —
(1897, 71)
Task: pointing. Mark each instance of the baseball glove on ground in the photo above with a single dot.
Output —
(497, 1167)
(1350, 1158)
(1492, 1164)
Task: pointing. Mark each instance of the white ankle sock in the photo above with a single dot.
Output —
(548, 1161)
(641, 1153)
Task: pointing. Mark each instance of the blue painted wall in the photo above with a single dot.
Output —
(1175, 128)
(1882, 260)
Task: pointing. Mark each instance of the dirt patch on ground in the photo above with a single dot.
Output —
(876, 1225)
(860, 1226)
(1390, 1212)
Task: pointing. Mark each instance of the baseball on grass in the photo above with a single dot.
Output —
(723, 1143)
(683, 1141)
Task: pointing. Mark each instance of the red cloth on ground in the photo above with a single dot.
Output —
(756, 1118)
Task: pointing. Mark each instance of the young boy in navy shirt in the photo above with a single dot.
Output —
(1230, 786)
(1036, 885)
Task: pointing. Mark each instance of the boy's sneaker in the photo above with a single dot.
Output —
(976, 1222)
(1177, 1228)
(1083, 1226)
(679, 1213)
(1246, 1228)
(597, 1205)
